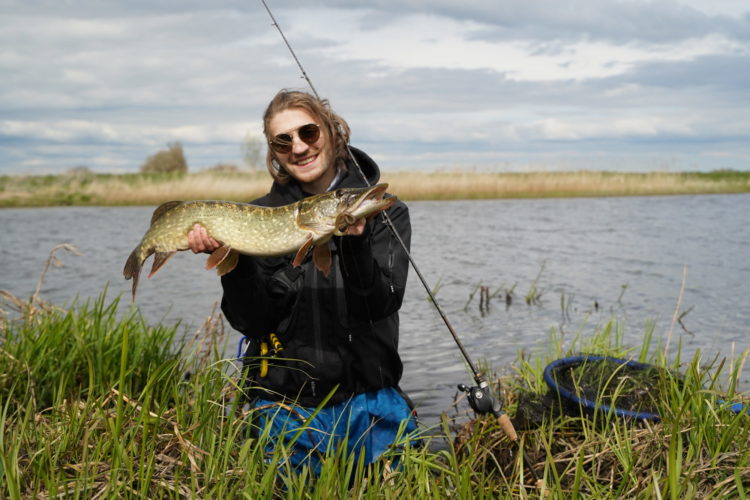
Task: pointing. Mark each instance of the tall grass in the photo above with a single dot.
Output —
(96, 405)
(152, 189)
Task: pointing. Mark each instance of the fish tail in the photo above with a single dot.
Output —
(133, 268)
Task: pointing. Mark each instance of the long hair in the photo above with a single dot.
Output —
(334, 128)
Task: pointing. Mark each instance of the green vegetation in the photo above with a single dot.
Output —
(79, 187)
(96, 404)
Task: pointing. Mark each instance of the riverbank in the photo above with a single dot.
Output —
(94, 405)
(89, 189)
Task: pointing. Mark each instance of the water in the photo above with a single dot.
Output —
(602, 258)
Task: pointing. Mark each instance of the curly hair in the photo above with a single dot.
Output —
(332, 126)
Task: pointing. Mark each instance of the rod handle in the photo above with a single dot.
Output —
(507, 426)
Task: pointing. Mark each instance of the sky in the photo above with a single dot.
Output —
(488, 85)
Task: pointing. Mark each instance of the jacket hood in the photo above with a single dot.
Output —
(283, 194)
(353, 178)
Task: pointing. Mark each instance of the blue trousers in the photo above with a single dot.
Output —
(367, 423)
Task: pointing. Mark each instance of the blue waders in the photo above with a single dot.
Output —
(368, 423)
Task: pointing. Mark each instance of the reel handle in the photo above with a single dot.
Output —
(482, 402)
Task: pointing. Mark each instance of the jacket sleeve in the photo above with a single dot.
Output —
(246, 303)
(375, 266)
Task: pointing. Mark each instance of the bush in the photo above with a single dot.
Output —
(170, 160)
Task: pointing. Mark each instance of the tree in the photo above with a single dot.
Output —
(171, 159)
(253, 151)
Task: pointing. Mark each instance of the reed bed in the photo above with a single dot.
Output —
(469, 185)
(100, 405)
(152, 189)
(130, 189)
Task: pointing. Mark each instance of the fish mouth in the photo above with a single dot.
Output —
(371, 201)
(365, 204)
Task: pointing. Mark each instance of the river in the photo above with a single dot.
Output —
(591, 260)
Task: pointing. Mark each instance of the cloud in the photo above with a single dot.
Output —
(614, 20)
(87, 131)
(500, 84)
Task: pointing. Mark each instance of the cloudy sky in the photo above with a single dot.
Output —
(498, 85)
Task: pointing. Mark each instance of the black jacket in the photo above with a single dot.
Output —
(336, 331)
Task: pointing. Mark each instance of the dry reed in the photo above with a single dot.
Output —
(134, 189)
(467, 185)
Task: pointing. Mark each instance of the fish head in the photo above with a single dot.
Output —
(363, 202)
(356, 203)
(342, 207)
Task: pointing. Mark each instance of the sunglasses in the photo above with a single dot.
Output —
(309, 134)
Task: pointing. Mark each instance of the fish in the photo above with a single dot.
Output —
(243, 228)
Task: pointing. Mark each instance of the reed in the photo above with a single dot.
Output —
(130, 189)
(474, 185)
(99, 405)
(152, 189)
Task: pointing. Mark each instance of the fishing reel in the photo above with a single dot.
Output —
(483, 403)
(480, 398)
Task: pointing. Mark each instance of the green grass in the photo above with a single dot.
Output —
(99, 405)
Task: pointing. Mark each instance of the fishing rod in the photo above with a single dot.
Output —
(477, 374)
(479, 396)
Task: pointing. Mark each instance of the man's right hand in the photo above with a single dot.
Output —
(199, 241)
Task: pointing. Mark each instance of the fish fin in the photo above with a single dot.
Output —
(322, 258)
(217, 256)
(318, 227)
(162, 209)
(228, 264)
(302, 252)
(309, 221)
(132, 269)
(160, 258)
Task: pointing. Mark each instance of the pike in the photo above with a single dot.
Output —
(242, 228)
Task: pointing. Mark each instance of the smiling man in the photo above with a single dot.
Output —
(315, 339)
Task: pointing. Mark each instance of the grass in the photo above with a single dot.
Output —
(96, 405)
(151, 189)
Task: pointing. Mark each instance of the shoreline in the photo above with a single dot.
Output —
(93, 189)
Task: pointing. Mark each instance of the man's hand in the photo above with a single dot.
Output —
(357, 228)
(199, 241)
